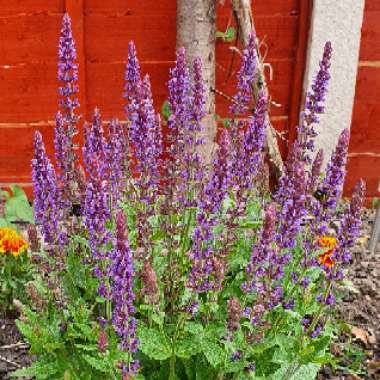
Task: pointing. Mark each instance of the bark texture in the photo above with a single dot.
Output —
(196, 30)
(244, 19)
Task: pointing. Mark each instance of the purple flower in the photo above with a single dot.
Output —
(96, 215)
(208, 270)
(67, 119)
(316, 332)
(332, 185)
(146, 139)
(236, 356)
(132, 74)
(292, 199)
(247, 145)
(246, 78)
(122, 282)
(117, 159)
(68, 72)
(46, 204)
(316, 171)
(265, 268)
(94, 150)
(349, 228)
(314, 105)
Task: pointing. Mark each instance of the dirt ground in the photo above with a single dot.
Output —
(360, 308)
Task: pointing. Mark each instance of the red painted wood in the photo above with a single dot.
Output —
(29, 38)
(15, 7)
(28, 92)
(278, 33)
(75, 8)
(16, 150)
(370, 48)
(365, 128)
(107, 37)
(268, 7)
(28, 62)
(372, 5)
(131, 7)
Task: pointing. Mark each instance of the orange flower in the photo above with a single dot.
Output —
(11, 242)
(325, 257)
(327, 242)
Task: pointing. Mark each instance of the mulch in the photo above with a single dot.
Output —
(360, 308)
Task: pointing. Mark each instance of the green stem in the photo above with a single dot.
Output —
(172, 375)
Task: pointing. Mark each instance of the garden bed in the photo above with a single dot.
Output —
(360, 309)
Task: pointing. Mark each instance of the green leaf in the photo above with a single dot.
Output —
(305, 372)
(17, 206)
(99, 364)
(4, 223)
(203, 370)
(159, 318)
(39, 370)
(213, 352)
(165, 110)
(187, 346)
(195, 328)
(153, 343)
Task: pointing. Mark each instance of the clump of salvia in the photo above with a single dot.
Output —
(184, 240)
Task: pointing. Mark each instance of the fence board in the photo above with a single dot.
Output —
(17, 7)
(29, 39)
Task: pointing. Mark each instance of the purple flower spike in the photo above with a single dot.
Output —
(46, 207)
(314, 105)
(332, 185)
(67, 119)
(265, 269)
(199, 99)
(316, 171)
(68, 72)
(117, 159)
(350, 226)
(207, 270)
(292, 198)
(97, 214)
(122, 282)
(132, 74)
(94, 150)
(246, 78)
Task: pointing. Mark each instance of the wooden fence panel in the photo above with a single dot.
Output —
(364, 159)
(28, 62)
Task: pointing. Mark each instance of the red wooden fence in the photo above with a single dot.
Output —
(29, 32)
(365, 129)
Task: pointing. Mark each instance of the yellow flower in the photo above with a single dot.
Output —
(325, 258)
(11, 242)
(327, 242)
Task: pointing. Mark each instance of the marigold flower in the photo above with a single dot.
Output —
(11, 242)
(325, 258)
(327, 242)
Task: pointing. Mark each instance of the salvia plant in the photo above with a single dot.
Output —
(156, 266)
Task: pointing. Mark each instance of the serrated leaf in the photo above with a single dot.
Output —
(153, 343)
(99, 364)
(213, 352)
(305, 372)
(195, 328)
(187, 346)
(39, 370)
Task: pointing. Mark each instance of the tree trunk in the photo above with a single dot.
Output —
(196, 30)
